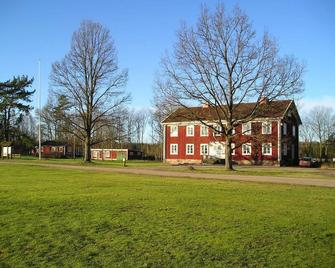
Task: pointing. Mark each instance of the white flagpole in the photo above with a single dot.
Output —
(39, 108)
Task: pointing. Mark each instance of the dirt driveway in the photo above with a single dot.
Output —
(163, 173)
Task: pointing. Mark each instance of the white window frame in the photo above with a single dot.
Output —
(232, 148)
(266, 146)
(190, 131)
(217, 130)
(244, 152)
(266, 127)
(108, 154)
(202, 132)
(246, 128)
(294, 129)
(203, 145)
(173, 151)
(284, 128)
(173, 131)
(189, 145)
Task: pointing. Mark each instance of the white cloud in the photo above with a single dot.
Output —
(308, 103)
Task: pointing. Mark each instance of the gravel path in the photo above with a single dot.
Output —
(163, 173)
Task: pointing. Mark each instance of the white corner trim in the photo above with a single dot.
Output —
(279, 141)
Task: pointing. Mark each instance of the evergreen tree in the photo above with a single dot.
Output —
(15, 99)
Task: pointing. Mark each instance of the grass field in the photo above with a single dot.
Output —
(71, 218)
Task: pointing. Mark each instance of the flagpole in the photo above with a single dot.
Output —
(39, 108)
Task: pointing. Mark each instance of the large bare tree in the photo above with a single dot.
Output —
(90, 78)
(223, 63)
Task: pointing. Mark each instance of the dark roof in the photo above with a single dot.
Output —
(52, 143)
(273, 109)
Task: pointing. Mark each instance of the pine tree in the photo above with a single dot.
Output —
(15, 101)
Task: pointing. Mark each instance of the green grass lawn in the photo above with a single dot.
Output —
(294, 172)
(71, 218)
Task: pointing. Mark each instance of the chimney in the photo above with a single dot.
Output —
(263, 100)
(205, 105)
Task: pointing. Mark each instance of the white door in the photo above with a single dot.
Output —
(6, 151)
(217, 149)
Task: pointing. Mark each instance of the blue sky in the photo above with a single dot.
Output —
(144, 30)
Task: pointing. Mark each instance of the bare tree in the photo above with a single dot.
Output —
(320, 122)
(90, 79)
(307, 136)
(222, 63)
(140, 123)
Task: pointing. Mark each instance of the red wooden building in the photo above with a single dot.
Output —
(55, 149)
(115, 154)
(272, 138)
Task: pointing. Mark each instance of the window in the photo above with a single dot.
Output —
(246, 149)
(95, 154)
(190, 131)
(203, 149)
(53, 149)
(267, 148)
(217, 130)
(246, 128)
(266, 127)
(107, 154)
(284, 128)
(173, 131)
(203, 131)
(189, 149)
(285, 149)
(174, 149)
(293, 130)
(233, 149)
(293, 151)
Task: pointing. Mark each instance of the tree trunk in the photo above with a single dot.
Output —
(74, 147)
(228, 161)
(87, 155)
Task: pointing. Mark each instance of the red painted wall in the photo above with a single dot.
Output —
(256, 142)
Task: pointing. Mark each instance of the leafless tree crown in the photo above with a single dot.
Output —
(221, 62)
(90, 78)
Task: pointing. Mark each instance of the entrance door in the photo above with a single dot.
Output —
(217, 149)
